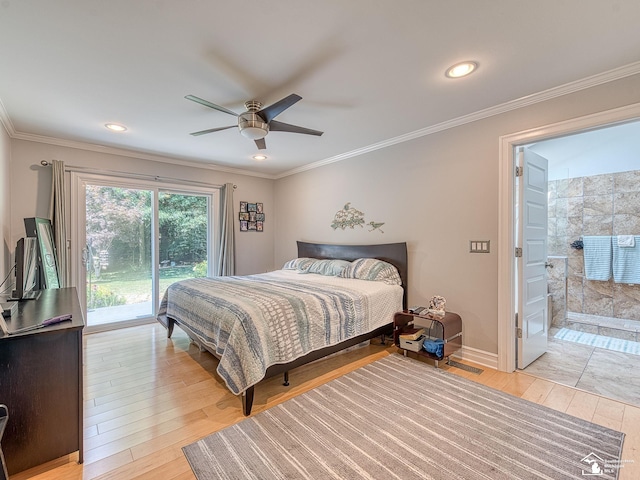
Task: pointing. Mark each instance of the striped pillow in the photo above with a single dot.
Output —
(372, 269)
(298, 263)
(331, 267)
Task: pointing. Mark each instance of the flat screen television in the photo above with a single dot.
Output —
(27, 275)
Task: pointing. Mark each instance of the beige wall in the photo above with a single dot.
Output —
(5, 206)
(254, 250)
(436, 192)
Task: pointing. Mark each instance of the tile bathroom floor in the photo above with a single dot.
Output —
(596, 370)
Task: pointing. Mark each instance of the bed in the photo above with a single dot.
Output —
(263, 325)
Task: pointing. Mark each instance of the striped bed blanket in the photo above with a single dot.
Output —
(255, 321)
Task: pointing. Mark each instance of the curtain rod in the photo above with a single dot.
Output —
(157, 178)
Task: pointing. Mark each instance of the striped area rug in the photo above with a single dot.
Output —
(398, 418)
(600, 341)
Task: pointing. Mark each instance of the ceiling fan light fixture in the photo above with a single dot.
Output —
(259, 157)
(252, 126)
(114, 127)
(253, 133)
(461, 69)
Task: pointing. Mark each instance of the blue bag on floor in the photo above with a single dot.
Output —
(434, 346)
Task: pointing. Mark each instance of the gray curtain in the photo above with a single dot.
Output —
(227, 248)
(59, 221)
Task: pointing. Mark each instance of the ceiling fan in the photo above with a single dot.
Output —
(256, 122)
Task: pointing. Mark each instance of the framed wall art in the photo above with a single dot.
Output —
(251, 217)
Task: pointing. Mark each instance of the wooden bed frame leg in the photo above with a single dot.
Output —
(286, 379)
(170, 324)
(247, 401)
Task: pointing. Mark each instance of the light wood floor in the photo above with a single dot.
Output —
(147, 396)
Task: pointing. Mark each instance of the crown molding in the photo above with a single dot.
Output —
(134, 154)
(6, 121)
(572, 87)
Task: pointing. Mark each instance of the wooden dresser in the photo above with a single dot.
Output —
(41, 382)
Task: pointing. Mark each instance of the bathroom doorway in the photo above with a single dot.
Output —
(594, 324)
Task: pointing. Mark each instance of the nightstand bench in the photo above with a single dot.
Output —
(447, 327)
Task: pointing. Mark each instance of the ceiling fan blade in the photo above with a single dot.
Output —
(261, 144)
(285, 127)
(272, 111)
(199, 100)
(211, 130)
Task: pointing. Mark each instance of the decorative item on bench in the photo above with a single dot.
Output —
(251, 217)
(436, 305)
(434, 345)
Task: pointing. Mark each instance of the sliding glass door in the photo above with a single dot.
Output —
(136, 240)
(118, 254)
(183, 225)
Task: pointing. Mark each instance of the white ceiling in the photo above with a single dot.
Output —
(369, 71)
(610, 149)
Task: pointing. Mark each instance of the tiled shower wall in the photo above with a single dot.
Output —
(557, 282)
(599, 205)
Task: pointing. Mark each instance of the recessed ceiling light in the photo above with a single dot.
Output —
(461, 69)
(259, 157)
(115, 127)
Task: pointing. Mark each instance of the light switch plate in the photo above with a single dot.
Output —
(479, 246)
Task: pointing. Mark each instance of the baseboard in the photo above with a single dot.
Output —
(486, 359)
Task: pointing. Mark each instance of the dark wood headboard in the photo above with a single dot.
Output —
(393, 253)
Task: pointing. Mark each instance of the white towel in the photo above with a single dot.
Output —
(626, 263)
(598, 257)
(626, 241)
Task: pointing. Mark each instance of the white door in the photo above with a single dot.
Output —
(532, 274)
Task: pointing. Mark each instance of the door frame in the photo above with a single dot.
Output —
(506, 215)
(78, 222)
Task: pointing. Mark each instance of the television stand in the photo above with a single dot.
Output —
(41, 382)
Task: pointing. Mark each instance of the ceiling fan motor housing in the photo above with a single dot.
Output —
(250, 124)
